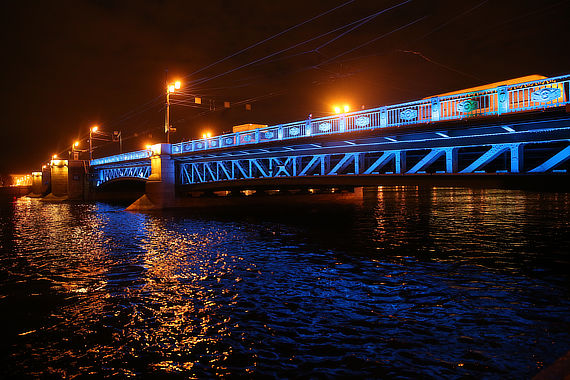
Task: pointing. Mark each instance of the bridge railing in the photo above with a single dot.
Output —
(520, 97)
(130, 156)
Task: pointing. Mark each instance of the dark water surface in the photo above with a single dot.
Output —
(411, 282)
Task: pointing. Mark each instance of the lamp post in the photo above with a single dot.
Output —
(74, 151)
(170, 88)
(342, 120)
(92, 130)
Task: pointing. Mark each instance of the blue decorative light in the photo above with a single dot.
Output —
(228, 141)
(199, 145)
(294, 131)
(409, 114)
(247, 138)
(325, 127)
(268, 135)
(362, 121)
(137, 155)
(467, 105)
(544, 95)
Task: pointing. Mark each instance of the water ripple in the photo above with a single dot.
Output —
(435, 283)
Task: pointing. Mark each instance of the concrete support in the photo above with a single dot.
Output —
(46, 180)
(36, 190)
(63, 179)
(76, 183)
(160, 186)
(59, 179)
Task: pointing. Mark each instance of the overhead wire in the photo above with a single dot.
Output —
(366, 20)
(371, 41)
(441, 26)
(272, 37)
(441, 64)
(202, 80)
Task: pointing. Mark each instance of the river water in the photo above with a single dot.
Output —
(409, 282)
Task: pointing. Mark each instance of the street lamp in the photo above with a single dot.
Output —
(342, 113)
(92, 130)
(74, 151)
(339, 110)
(170, 88)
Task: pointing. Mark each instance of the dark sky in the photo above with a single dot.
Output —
(67, 65)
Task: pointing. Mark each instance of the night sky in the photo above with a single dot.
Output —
(67, 65)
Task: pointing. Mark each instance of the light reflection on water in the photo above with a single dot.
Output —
(437, 282)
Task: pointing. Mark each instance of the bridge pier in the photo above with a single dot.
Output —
(36, 190)
(62, 180)
(46, 180)
(59, 178)
(160, 187)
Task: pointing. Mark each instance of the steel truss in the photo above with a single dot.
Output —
(501, 158)
(127, 172)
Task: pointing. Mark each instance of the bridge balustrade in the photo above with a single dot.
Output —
(130, 156)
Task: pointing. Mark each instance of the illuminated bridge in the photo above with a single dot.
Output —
(505, 129)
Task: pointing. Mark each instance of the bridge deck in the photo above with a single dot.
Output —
(517, 129)
(515, 98)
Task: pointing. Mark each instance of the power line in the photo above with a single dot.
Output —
(199, 81)
(371, 41)
(440, 64)
(366, 20)
(272, 37)
(441, 26)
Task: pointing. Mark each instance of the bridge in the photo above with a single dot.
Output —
(506, 129)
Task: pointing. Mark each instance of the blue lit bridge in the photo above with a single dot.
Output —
(506, 130)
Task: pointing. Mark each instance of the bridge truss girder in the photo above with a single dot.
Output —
(104, 175)
(373, 163)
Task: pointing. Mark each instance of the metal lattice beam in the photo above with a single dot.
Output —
(361, 163)
(553, 161)
(132, 172)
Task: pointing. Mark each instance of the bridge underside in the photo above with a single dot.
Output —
(341, 182)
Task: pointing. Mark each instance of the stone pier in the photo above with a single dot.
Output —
(160, 186)
(64, 179)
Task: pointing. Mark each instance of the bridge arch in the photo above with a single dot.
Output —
(122, 173)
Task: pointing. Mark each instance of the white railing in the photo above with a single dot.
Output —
(520, 97)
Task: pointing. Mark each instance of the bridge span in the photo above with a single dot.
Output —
(518, 129)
